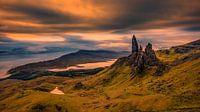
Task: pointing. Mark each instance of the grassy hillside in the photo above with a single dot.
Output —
(112, 90)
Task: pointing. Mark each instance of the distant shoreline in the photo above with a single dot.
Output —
(86, 66)
(8, 62)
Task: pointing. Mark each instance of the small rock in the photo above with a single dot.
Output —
(79, 85)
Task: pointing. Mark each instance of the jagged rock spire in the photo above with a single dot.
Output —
(135, 47)
(141, 49)
(150, 56)
(148, 47)
(141, 60)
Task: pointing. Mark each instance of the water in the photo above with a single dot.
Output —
(86, 66)
(8, 62)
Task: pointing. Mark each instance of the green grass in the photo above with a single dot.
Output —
(32, 101)
(172, 55)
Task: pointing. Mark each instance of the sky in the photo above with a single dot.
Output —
(97, 24)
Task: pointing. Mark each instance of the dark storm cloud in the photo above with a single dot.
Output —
(40, 14)
(194, 28)
(148, 14)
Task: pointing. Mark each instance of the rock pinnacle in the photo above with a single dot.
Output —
(135, 47)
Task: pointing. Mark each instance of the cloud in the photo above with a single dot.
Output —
(40, 14)
(102, 24)
(9, 46)
(165, 38)
(78, 40)
(5, 39)
(95, 15)
(193, 28)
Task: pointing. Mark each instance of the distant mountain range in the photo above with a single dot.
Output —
(20, 51)
(79, 57)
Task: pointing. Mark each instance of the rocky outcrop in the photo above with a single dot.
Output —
(150, 56)
(140, 60)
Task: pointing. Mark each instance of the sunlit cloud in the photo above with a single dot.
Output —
(35, 38)
(165, 38)
(115, 46)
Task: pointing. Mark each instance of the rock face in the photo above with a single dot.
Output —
(139, 59)
(150, 56)
(135, 47)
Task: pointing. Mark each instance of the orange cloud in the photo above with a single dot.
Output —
(100, 36)
(80, 8)
(35, 38)
(114, 45)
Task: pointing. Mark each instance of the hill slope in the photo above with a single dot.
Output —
(195, 45)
